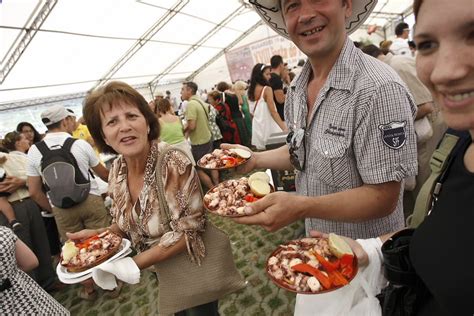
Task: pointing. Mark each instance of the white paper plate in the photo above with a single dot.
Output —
(64, 274)
(88, 275)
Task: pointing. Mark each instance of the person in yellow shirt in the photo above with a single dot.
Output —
(82, 132)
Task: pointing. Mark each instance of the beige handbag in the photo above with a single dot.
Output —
(184, 284)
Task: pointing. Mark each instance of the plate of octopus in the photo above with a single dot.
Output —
(221, 159)
(312, 265)
(230, 197)
(79, 256)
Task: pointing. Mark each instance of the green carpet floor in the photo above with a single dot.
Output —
(251, 246)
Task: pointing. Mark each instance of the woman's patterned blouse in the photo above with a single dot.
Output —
(142, 222)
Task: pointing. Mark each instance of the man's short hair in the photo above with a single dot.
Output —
(372, 50)
(191, 85)
(400, 28)
(276, 61)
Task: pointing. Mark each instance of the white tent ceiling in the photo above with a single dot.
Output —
(54, 47)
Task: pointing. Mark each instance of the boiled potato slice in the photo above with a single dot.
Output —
(259, 187)
(338, 246)
(241, 152)
(69, 251)
(259, 176)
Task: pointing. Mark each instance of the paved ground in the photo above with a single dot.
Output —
(251, 246)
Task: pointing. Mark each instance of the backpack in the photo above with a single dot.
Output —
(62, 177)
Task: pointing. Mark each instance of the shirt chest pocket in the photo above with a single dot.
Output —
(332, 162)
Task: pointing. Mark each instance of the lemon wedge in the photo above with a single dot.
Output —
(338, 246)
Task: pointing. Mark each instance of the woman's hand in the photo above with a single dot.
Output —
(83, 234)
(362, 257)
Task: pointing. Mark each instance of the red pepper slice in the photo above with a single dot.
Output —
(347, 260)
(250, 198)
(337, 278)
(306, 268)
(347, 266)
(86, 243)
(230, 162)
(348, 272)
(327, 265)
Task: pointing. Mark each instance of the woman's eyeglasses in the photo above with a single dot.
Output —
(296, 141)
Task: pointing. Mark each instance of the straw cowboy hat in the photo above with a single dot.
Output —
(270, 12)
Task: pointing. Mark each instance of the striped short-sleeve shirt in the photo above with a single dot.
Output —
(360, 132)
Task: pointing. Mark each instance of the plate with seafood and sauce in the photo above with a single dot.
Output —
(230, 197)
(221, 159)
(312, 265)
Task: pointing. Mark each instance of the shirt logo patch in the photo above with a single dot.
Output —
(394, 134)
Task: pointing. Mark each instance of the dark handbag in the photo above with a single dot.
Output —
(405, 290)
(184, 284)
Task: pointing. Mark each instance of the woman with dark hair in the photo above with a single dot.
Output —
(27, 221)
(14, 143)
(30, 132)
(225, 122)
(445, 65)
(121, 122)
(266, 120)
(229, 98)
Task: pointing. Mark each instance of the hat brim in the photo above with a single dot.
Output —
(269, 11)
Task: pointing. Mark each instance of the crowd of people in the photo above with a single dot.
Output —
(366, 134)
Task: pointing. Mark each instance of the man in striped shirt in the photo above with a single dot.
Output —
(351, 127)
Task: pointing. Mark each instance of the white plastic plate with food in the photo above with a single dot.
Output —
(62, 272)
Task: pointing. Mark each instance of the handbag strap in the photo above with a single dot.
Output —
(164, 208)
(256, 103)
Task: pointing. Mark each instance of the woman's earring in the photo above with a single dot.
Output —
(148, 130)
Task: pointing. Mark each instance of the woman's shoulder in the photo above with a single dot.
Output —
(173, 156)
(169, 119)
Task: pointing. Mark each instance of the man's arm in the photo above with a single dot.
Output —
(279, 95)
(25, 257)
(35, 188)
(277, 85)
(190, 126)
(102, 172)
(366, 202)
(275, 159)
(424, 109)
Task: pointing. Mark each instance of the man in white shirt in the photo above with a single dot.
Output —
(400, 44)
(90, 213)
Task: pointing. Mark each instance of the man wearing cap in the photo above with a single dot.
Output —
(91, 213)
(351, 133)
